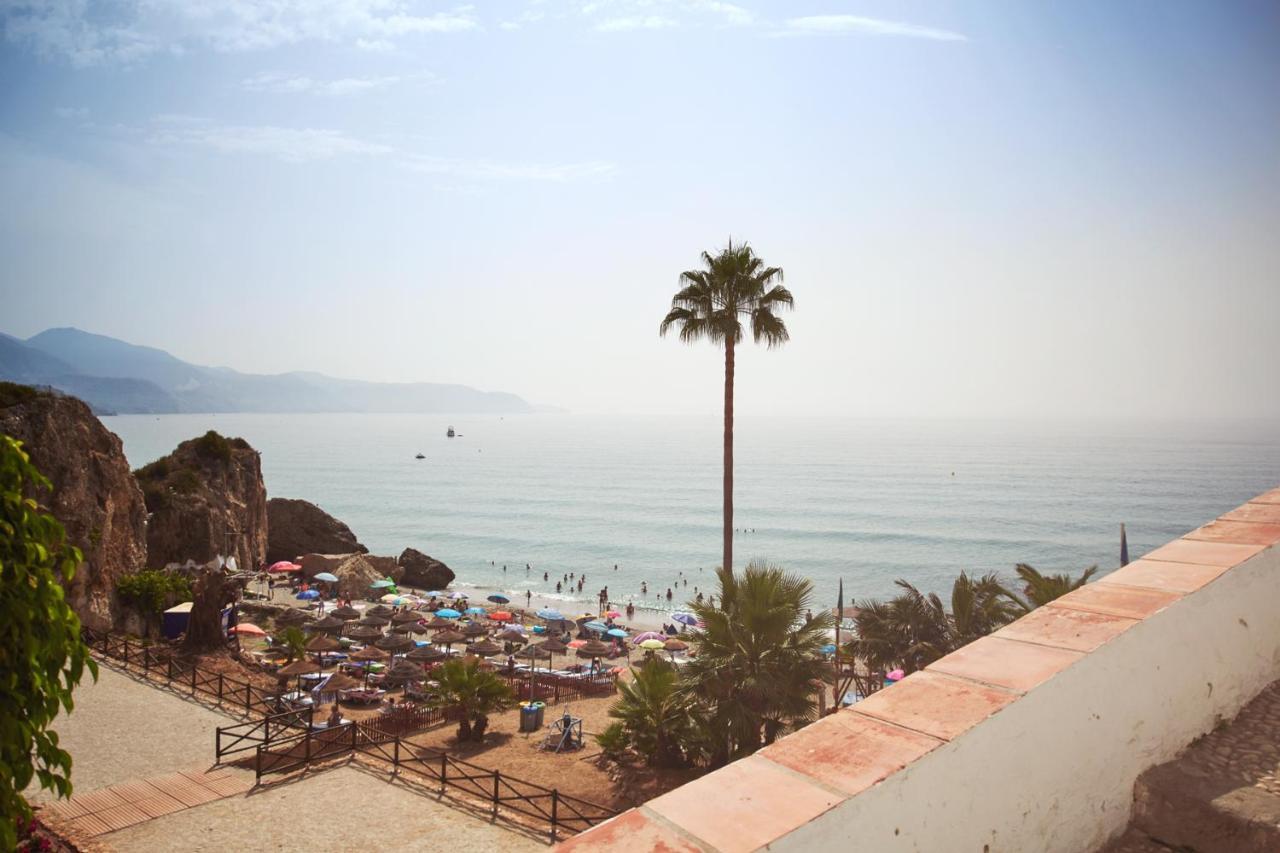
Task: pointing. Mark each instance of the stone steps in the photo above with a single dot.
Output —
(1221, 795)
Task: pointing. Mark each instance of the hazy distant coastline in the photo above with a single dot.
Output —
(115, 377)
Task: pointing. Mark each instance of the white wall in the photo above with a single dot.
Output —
(1054, 771)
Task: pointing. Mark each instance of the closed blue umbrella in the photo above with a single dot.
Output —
(616, 632)
(448, 613)
(307, 595)
(327, 577)
(549, 613)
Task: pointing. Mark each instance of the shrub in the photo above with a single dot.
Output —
(186, 482)
(240, 444)
(155, 496)
(157, 470)
(213, 447)
(11, 394)
(153, 590)
(613, 741)
(44, 656)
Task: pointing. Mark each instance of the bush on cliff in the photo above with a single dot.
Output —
(213, 447)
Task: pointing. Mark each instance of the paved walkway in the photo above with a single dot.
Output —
(122, 729)
(340, 809)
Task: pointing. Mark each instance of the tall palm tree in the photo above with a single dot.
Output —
(475, 692)
(654, 714)
(712, 303)
(756, 659)
(1039, 589)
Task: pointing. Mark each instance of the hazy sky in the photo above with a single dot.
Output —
(997, 208)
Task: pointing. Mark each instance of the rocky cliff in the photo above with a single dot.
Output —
(296, 527)
(206, 498)
(94, 495)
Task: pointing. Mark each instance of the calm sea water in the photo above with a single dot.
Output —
(863, 500)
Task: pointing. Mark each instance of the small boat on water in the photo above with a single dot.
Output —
(450, 433)
(419, 456)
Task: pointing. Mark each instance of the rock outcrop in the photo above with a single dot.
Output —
(355, 576)
(94, 495)
(296, 527)
(206, 498)
(421, 571)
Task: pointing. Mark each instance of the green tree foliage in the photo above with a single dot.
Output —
(613, 741)
(757, 658)
(655, 716)
(476, 692)
(214, 447)
(154, 590)
(912, 629)
(712, 303)
(294, 640)
(1038, 589)
(42, 657)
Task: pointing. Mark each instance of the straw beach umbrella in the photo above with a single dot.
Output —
(406, 616)
(375, 621)
(484, 648)
(345, 613)
(448, 638)
(394, 643)
(321, 643)
(402, 672)
(425, 654)
(380, 610)
(328, 625)
(370, 654)
(293, 616)
(363, 632)
(438, 623)
(593, 649)
(474, 629)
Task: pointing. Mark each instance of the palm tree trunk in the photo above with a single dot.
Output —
(728, 455)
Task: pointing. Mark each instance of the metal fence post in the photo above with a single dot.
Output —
(444, 771)
(193, 679)
(247, 697)
(306, 739)
(497, 776)
(395, 762)
(169, 672)
(555, 808)
(126, 650)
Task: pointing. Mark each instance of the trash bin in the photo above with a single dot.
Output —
(538, 709)
(529, 721)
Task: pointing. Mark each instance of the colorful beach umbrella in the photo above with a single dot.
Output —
(648, 635)
(474, 611)
(685, 618)
(596, 626)
(499, 598)
(616, 632)
(577, 644)
(550, 613)
(327, 577)
(307, 595)
(448, 613)
(284, 566)
(612, 614)
(459, 596)
(385, 583)
(500, 616)
(248, 629)
(653, 645)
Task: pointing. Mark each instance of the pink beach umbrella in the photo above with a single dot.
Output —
(896, 675)
(248, 629)
(648, 635)
(284, 566)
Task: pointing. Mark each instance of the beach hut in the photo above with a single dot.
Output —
(174, 620)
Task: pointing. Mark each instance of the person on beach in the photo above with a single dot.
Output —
(528, 596)
(546, 576)
(644, 587)
(335, 716)
(557, 586)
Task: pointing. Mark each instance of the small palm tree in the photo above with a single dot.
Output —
(711, 304)
(914, 629)
(1039, 589)
(757, 658)
(474, 692)
(654, 714)
(294, 640)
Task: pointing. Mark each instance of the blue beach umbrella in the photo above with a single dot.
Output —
(616, 632)
(327, 577)
(382, 584)
(686, 618)
(499, 598)
(448, 613)
(474, 611)
(828, 649)
(307, 595)
(549, 613)
(596, 626)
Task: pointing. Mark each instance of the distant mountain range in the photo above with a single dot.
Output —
(117, 377)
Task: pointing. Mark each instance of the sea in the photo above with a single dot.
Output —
(626, 501)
